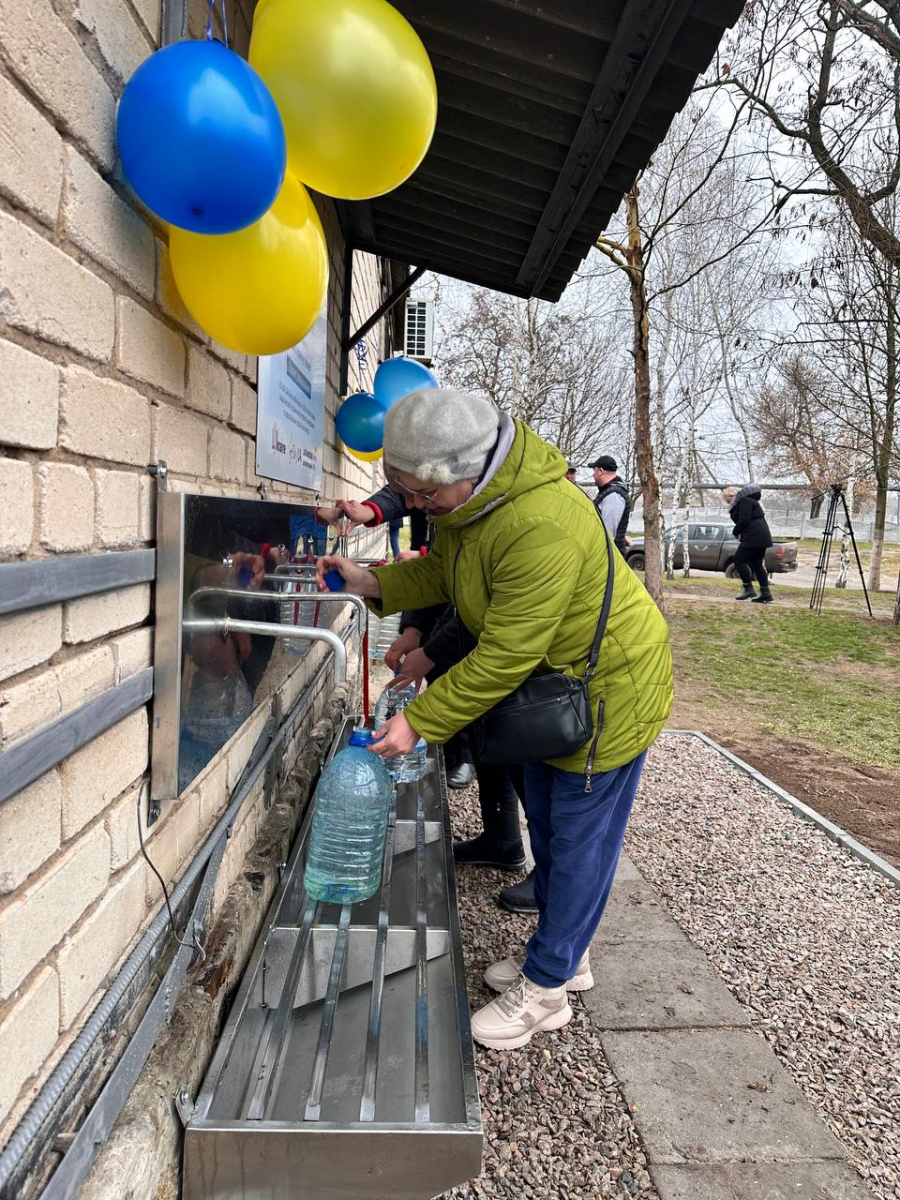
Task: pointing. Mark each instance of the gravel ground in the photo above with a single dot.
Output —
(802, 933)
(556, 1125)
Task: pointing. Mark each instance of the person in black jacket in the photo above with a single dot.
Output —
(752, 531)
(612, 502)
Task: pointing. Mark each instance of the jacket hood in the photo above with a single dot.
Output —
(521, 461)
(750, 491)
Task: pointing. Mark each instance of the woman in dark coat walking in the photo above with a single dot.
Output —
(752, 531)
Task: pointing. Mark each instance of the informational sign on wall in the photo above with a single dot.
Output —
(290, 420)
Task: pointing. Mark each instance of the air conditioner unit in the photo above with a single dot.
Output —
(418, 340)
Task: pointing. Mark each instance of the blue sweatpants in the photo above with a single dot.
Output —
(576, 838)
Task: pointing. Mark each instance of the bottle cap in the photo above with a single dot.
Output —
(334, 581)
(361, 737)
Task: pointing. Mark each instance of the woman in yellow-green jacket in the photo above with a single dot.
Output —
(523, 557)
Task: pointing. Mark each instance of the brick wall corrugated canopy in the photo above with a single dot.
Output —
(547, 110)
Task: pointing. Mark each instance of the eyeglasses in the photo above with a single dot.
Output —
(395, 484)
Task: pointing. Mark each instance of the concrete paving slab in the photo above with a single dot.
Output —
(715, 1096)
(761, 1181)
(658, 985)
(626, 871)
(634, 913)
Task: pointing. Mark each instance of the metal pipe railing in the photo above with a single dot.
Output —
(312, 597)
(226, 625)
(285, 570)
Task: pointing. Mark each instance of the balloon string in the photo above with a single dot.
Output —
(210, 8)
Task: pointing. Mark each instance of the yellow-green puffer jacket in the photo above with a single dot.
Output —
(525, 562)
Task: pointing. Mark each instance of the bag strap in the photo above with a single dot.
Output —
(604, 611)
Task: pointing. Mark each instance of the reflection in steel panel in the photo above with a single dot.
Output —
(208, 683)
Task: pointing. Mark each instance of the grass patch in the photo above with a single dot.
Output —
(833, 679)
(890, 560)
(850, 599)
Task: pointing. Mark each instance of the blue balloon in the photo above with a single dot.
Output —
(201, 139)
(360, 423)
(397, 377)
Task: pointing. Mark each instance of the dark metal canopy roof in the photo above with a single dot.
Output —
(547, 109)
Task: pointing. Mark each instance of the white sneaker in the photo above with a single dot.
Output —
(500, 975)
(523, 1010)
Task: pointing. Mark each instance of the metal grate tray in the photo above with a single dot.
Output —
(345, 1069)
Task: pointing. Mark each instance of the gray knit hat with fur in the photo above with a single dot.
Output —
(440, 436)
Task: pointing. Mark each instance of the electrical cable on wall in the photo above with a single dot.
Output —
(195, 941)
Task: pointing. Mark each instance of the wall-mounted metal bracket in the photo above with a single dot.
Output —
(160, 472)
(174, 23)
(184, 1105)
(348, 339)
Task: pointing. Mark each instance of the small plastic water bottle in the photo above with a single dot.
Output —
(404, 768)
(298, 612)
(346, 845)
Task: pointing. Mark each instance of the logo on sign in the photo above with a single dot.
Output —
(277, 444)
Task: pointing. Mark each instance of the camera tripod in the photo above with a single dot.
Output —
(836, 495)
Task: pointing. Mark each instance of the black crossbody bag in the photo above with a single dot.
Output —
(548, 716)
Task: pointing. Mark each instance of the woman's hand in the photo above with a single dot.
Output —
(408, 555)
(408, 641)
(396, 736)
(353, 510)
(415, 667)
(329, 514)
(357, 579)
(254, 563)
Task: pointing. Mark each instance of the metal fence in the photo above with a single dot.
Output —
(788, 523)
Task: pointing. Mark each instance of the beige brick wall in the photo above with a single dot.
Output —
(102, 371)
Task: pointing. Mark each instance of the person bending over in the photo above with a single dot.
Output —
(522, 556)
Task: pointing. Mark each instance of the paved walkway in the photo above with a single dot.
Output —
(719, 1116)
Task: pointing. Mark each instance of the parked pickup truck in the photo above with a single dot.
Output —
(712, 548)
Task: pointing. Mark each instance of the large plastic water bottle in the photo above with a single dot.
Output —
(405, 768)
(346, 845)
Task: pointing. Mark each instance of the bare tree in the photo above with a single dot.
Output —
(554, 367)
(700, 210)
(825, 77)
(794, 420)
(849, 297)
(860, 298)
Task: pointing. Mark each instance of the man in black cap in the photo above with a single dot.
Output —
(570, 473)
(612, 501)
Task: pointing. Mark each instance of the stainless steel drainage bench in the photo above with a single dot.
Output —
(346, 1068)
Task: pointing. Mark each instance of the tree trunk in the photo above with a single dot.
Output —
(843, 573)
(643, 442)
(897, 604)
(874, 582)
(884, 451)
(672, 525)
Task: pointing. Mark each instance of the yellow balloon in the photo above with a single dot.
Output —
(365, 455)
(257, 291)
(355, 88)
